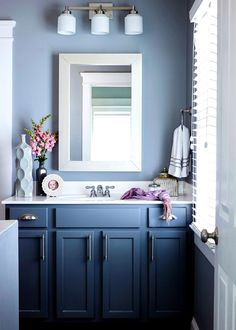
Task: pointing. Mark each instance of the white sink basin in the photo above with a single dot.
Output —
(67, 197)
(87, 198)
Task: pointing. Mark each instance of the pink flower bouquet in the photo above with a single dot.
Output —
(41, 141)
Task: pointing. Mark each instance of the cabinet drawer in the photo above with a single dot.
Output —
(30, 216)
(98, 217)
(181, 212)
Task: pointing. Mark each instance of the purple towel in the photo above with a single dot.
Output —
(161, 195)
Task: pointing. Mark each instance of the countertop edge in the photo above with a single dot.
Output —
(55, 201)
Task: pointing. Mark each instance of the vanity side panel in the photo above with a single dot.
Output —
(9, 286)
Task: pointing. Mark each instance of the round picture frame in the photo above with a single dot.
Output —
(52, 185)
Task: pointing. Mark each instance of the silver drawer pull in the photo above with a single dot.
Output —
(28, 217)
(105, 247)
(89, 247)
(43, 247)
(152, 247)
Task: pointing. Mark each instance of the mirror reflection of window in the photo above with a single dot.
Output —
(111, 123)
(106, 116)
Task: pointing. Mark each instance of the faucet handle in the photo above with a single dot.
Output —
(100, 190)
(107, 190)
(92, 192)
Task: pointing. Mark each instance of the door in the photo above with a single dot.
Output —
(167, 273)
(33, 278)
(75, 274)
(225, 265)
(121, 268)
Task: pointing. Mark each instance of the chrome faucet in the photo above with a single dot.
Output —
(107, 192)
(92, 192)
(99, 191)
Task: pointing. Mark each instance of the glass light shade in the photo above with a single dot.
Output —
(66, 24)
(100, 24)
(133, 24)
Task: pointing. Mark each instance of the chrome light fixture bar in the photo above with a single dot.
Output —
(100, 13)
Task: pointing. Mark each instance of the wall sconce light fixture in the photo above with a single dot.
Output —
(99, 13)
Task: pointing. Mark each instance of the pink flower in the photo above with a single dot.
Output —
(41, 141)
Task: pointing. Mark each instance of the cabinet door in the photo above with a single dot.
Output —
(121, 260)
(33, 279)
(75, 274)
(167, 266)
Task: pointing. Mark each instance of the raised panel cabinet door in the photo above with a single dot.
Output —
(121, 274)
(167, 273)
(33, 273)
(75, 274)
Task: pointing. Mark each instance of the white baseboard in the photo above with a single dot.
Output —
(194, 325)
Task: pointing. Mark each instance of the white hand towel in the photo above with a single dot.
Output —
(179, 161)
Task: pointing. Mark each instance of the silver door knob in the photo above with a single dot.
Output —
(205, 235)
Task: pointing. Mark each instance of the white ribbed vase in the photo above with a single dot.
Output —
(24, 167)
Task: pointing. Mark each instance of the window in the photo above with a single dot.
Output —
(111, 110)
(203, 141)
(107, 110)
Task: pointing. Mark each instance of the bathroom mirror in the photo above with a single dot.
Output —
(100, 101)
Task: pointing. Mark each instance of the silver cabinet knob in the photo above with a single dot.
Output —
(205, 235)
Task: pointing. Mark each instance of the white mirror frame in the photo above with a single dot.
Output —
(135, 61)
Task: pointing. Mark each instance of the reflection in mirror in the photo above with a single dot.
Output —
(111, 109)
(106, 108)
(100, 112)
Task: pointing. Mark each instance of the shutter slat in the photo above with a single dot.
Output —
(204, 104)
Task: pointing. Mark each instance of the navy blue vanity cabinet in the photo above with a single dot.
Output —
(167, 273)
(115, 235)
(33, 259)
(75, 273)
(121, 274)
(33, 281)
(167, 264)
(90, 263)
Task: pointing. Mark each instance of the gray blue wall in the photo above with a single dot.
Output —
(165, 75)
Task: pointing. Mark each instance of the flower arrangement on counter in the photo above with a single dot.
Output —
(41, 141)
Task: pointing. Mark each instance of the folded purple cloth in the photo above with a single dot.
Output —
(161, 195)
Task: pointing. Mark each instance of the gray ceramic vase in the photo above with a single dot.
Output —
(24, 167)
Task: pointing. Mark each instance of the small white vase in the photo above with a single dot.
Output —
(24, 167)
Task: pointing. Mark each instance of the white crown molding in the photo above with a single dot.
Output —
(6, 28)
(6, 42)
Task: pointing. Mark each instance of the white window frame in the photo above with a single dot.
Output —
(203, 140)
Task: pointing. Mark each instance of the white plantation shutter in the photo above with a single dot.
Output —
(204, 113)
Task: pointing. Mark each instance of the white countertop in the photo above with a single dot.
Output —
(5, 225)
(90, 200)
(75, 193)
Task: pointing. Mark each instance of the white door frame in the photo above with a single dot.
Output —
(225, 261)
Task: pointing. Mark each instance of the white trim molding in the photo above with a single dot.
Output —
(6, 41)
(6, 28)
(198, 9)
